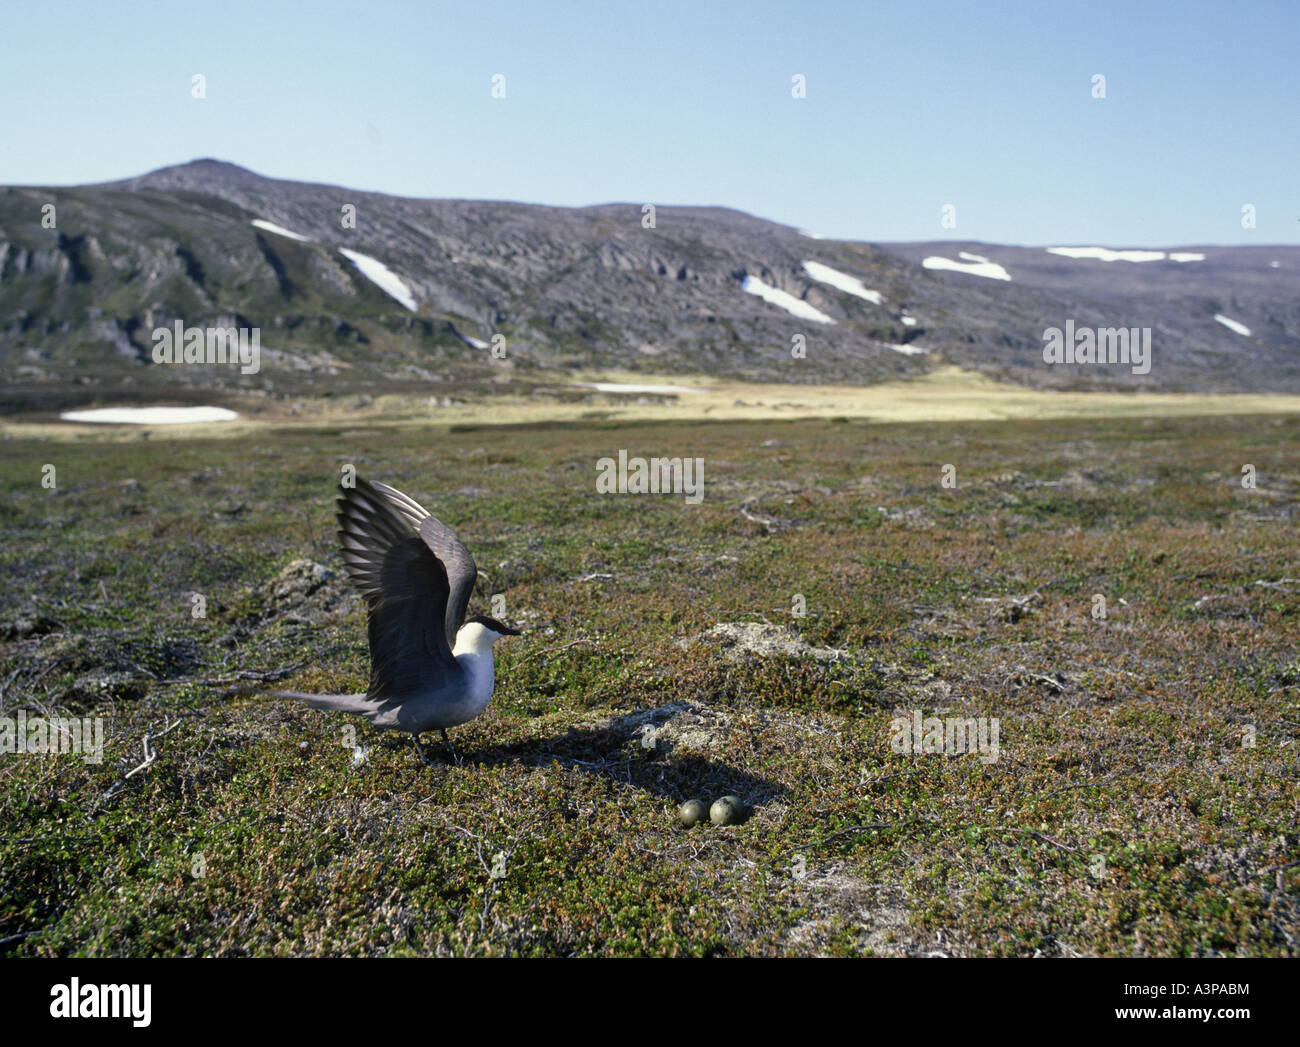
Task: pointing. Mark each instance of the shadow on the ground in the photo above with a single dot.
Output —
(614, 751)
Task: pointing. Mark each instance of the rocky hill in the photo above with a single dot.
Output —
(415, 291)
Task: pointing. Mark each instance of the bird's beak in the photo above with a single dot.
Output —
(507, 631)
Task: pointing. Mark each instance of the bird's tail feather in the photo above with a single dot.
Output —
(347, 703)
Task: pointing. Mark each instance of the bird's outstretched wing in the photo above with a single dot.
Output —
(462, 572)
(406, 588)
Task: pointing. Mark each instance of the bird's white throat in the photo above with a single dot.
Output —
(473, 652)
(473, 638)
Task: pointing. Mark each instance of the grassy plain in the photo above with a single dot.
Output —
(1144, 801)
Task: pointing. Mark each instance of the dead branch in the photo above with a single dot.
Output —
(150, 755)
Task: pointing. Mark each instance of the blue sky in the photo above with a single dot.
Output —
(910, 106)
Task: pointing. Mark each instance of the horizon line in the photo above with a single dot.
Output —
(630, 203)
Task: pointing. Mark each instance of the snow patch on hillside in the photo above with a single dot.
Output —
(381, 276)
(1105, 254)
(1233, 325)
(842, 281)
(774, 296)
(150, 415)
(985, 268)
(280, 230)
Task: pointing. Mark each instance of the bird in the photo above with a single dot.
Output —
(430, 667)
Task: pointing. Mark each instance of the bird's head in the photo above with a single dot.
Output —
(481, 631)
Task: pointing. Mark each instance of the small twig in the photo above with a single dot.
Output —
(1280, 585)
(1019, 601)
(552, 651)
(1047, 681)
(4, 687)
(887, 777)
(875, 825)
(766, 521)
(1028, 832)
(150, 755)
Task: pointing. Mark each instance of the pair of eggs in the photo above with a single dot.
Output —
(726, 811)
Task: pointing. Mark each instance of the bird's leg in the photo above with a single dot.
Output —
(450, 748)
(415, 738)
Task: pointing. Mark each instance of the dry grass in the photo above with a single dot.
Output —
(946, 394)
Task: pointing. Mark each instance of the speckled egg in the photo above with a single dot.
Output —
(727, 811)
(692, 812)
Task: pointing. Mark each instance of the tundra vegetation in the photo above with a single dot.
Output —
(758, 644)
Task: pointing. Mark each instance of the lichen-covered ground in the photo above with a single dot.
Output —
(1144, 799)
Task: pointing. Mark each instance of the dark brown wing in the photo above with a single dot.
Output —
(406, 590)
(462, 572)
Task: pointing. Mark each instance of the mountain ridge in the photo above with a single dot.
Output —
(589, 287)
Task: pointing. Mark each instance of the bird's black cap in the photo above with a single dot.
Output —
(494, 625)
